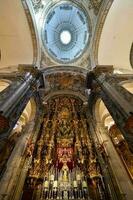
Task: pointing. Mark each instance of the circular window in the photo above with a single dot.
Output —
(65, 37)
(65, 33)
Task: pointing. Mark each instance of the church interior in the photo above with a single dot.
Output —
(66, 100)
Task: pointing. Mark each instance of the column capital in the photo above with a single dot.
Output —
(106, 69)
(24, 68)
(99, 71)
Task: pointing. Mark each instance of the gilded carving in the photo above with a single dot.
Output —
(64, 157)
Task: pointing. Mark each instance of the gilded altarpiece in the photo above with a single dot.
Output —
(64, 162)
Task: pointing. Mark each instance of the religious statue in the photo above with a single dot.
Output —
(65, 170)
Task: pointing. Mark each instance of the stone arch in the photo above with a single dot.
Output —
(26, 117)
(65, 92)
(128, 85)
(102, 115)
(29, 112)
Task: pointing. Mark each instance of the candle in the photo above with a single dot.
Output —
(84, 184)
(52, 177)
(46, 184)
(75, 184)
(55, 185)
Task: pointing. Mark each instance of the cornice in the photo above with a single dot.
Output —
(67, 69)
(66, 93)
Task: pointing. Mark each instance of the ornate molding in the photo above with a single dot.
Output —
(65, 92)
(64, 68)
(46, 61)
(95, 5)
(37, 4)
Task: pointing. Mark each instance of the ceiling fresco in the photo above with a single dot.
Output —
(64, 81)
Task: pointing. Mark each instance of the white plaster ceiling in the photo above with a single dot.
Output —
(15, 37)
(117, 36)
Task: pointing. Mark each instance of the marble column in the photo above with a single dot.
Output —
(117, 99)
(15, 97)
(14, 176)
(121, 183)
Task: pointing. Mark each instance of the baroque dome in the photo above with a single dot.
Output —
(65, 32)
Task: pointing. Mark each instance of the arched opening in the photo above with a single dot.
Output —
(27, 115)
(108, 125)
(4, 84)
(128, 85)
(19, 129)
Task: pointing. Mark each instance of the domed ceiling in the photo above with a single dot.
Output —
(68, 33)
(65, 32)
